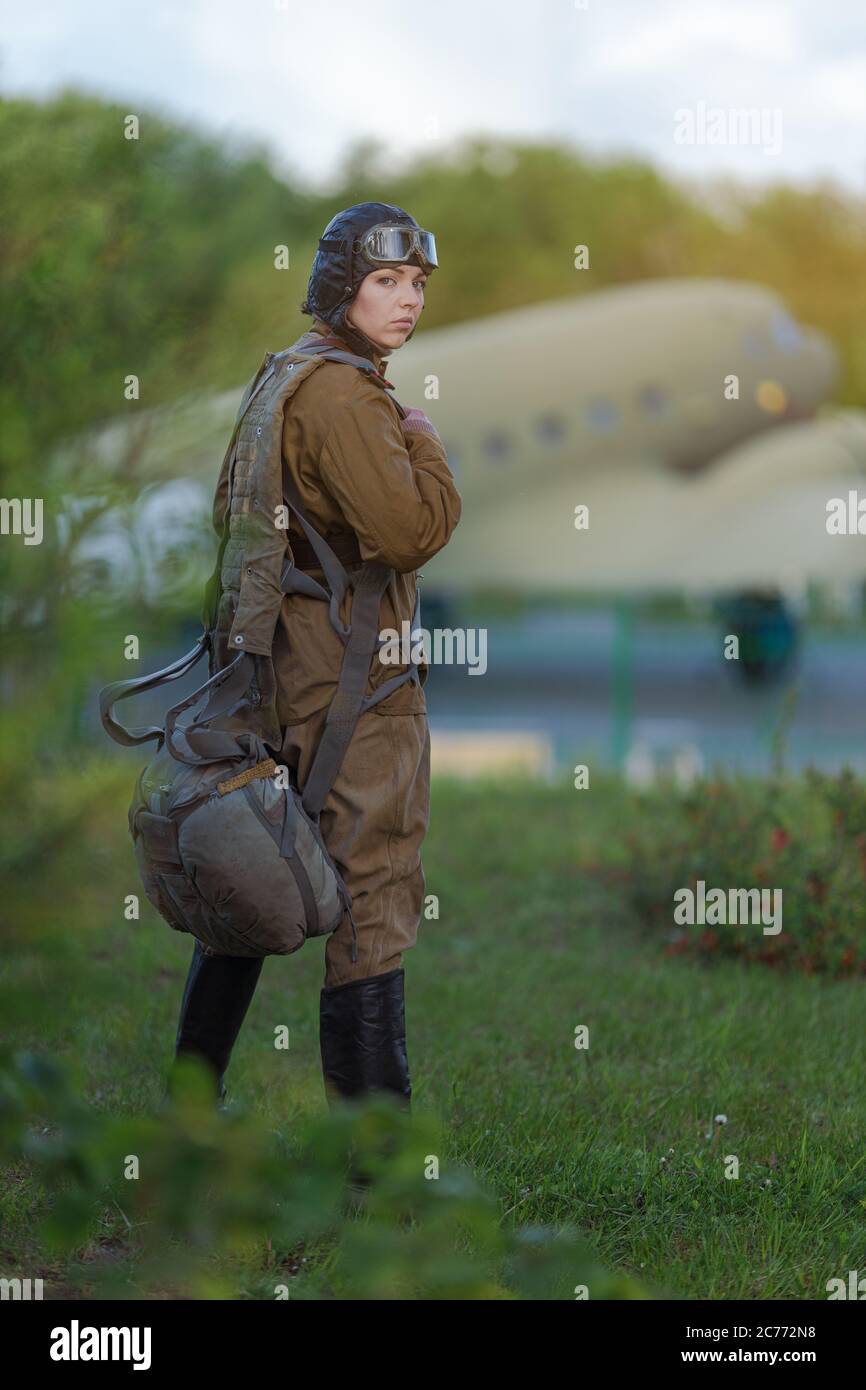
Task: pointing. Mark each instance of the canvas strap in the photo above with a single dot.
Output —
(122, 690)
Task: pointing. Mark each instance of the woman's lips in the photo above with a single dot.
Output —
(403, 323)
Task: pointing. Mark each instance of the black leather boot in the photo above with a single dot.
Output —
(216, 997)
(362, 1037)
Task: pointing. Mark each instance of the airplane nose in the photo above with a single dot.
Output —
(807, 376)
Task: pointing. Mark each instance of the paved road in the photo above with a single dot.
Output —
(552, 674)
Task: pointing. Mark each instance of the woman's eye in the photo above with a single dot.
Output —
(389, 280)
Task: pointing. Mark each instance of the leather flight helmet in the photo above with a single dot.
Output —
(339, 267)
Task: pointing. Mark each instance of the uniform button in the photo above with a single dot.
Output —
(239, 640)
(258, 429)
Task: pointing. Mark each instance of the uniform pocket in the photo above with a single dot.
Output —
(408, 701)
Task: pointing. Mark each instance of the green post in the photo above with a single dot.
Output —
(622, 691)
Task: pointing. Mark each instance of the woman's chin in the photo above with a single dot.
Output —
(394, 337)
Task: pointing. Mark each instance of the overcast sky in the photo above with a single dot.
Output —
(307, 78)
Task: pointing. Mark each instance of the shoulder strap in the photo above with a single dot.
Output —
(121, 690)
(206, 744)
(350, 700)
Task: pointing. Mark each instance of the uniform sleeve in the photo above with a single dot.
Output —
(396, 491)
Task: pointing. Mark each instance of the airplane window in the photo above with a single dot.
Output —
(602, 415)
(496, 446)
(653, 400)
(550, 429)
(786, 332)
(771, 397)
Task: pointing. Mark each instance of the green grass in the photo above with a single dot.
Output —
(528, 946)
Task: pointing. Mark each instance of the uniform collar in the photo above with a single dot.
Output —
(325, 330)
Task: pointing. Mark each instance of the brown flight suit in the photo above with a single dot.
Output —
(360, 469)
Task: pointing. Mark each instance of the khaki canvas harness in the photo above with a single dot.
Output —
(202, 765)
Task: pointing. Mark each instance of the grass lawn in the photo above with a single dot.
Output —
(618, 1138)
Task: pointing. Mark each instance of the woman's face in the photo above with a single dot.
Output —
(388, 304)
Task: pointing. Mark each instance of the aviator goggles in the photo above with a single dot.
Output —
(389, 243)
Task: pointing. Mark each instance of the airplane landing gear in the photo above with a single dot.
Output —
(767, 632)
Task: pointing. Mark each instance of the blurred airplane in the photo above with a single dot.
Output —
(681, 413)
(616, 402)
(660, 436)
(638, 370)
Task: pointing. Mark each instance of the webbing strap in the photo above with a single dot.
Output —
(394, 682)
(121, 690)
(209, 745)
(334, 570)
(323, 347)
(295, 581)
(285, 839)
(346, 705)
